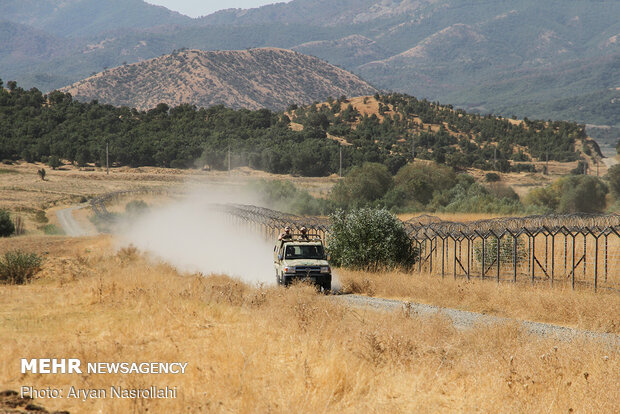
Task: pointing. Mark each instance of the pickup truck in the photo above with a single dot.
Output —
(298, 258)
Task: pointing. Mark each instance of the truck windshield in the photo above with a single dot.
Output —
(304, 252)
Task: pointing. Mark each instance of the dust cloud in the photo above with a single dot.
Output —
(193, 235)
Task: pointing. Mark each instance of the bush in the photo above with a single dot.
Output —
(491, 177)
(41, 217)
(51, 230)
(419, 181)
(7, 227)
(572, 194)
(136, 207)
(284, 196)
(363, 185)
(506, 251)
(369, 239)
(17, 267)
(613, 177)
(54, 162)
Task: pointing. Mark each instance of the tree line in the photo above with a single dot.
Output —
(48, 127)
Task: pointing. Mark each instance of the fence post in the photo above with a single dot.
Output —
(498, 257)
(552, 257)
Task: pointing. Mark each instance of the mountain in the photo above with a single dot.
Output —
(349, 51)
(74, 18)
(253, 79)
(500, 56)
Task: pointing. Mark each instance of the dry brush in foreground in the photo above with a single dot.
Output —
(279, 350)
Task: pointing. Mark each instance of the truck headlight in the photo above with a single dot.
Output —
(325, 269)
(289, 269)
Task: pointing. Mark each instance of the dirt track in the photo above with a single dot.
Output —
(69, 225)
(464, 319)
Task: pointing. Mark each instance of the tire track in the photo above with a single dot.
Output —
(68, 223)
(465, 319)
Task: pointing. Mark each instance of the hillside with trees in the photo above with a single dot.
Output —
(251, 79)
(38, 127)
(406, 128)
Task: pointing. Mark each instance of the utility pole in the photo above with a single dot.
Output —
(495, 158)
(340, 160)
(547, 165)
(229, 160)
(107, 159)
(597, 162)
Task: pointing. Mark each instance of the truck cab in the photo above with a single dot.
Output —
(298, 258)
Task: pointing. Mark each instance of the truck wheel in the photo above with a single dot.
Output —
(327, 287)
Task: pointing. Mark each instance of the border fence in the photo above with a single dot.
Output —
(568, 250)
(576, 250)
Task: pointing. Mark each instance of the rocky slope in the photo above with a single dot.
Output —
(254, 78)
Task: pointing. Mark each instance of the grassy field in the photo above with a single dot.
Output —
(24, 194)
(252, 349)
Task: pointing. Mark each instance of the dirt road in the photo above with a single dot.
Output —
(464, 319)
(68, 223)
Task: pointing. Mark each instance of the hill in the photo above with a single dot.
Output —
(389, 129)
(406, 127)
(252, 79)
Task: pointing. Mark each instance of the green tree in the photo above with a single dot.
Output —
(571, 194)
(613, 178)
(7, 227)
(54, 162)
(420, 180)
(369, 239)
(363, 185)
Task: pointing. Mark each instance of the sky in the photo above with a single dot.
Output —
(197, 8)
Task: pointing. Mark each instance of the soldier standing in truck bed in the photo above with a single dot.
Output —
(286, 235)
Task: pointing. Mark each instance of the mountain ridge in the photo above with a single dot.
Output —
(520, 36)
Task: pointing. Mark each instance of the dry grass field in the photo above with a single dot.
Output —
(252, 349)
(24, 194)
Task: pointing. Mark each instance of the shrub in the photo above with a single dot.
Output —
(572, 194)
(506, 251)
(419, 181)
(7, 227)
(491, 177)
(369, 239)
(136, 208)
(17, 267)
(363, 185)
(54, 162)
(41, 217)
(51, 230)
(284, 196)
(613, 177)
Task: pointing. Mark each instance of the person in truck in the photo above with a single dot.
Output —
(286, 235)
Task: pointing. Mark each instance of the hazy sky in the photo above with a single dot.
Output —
(197, 8)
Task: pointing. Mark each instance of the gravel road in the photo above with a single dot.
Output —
(465, 319)
(68, 223)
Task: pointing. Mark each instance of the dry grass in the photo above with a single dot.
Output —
(278, 350)
(580, 308)
(23, 193)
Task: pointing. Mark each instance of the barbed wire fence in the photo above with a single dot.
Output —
(576, 250)
(570, 250)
